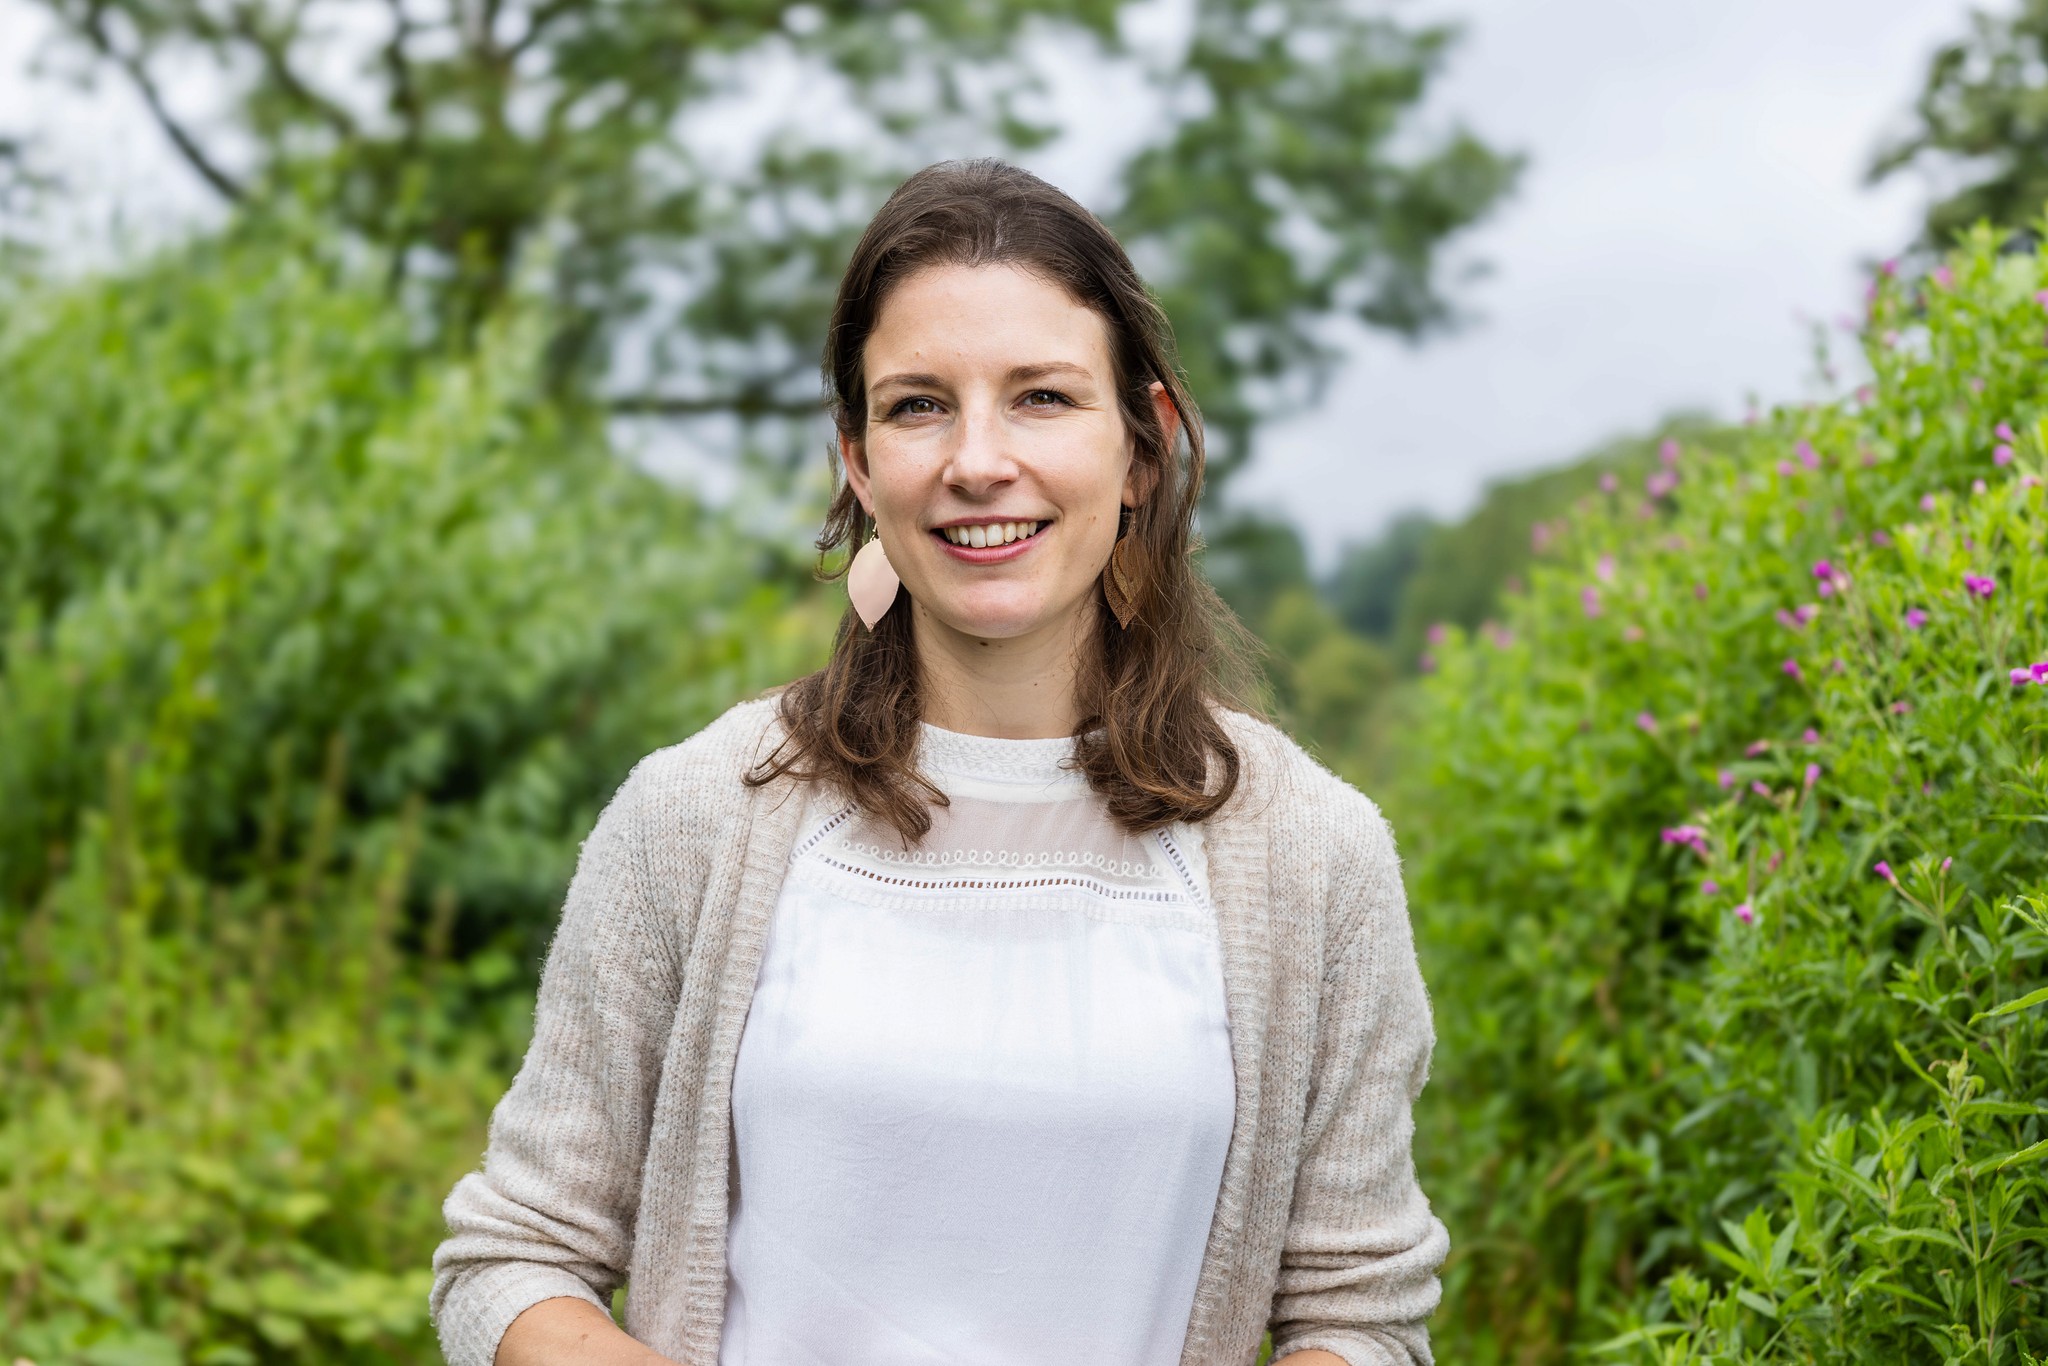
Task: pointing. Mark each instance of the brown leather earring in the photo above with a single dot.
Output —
(1121, 587)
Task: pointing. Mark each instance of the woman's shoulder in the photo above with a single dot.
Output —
(709, 768)
(1280, 777)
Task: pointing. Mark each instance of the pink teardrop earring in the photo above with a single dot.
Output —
(871, 582)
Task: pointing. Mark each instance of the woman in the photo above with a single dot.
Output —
(1003, 993)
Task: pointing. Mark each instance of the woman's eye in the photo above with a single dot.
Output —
(1040, 398)
(903, 408)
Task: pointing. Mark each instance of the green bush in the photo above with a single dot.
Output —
(314, 649)
(1709, 1086)
(241, 512)
(229, 1115)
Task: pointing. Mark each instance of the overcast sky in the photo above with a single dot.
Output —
(1695, 189)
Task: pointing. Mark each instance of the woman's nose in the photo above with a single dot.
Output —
(981, 457)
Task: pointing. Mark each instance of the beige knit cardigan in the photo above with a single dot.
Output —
(609, 1157)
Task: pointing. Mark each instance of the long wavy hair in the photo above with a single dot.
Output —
(1149, 738)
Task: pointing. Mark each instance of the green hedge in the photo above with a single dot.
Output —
(242, 513)
(1709, 1087)
(318, 649)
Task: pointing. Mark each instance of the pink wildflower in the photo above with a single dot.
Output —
(1977, 486)
(1809, 736)
(1691, 836)
(1757, 749)
(1667, 451)
(1792, 669)
(1927, 502)
(2042, 298)
(2033, 673)
(1812, 775)
(1946, 863)
(1631, 633)
(1699, 590)
(1762, 791)
(1725, 778)
(1823, 570)
(1915, 618)
(1808, 456)
(1787, 468)
(1944, 277)
(1660, 483)
(1864, 394)
(1589, 598)
(1979, 585)
(2001, 455)
(1884, 870)
(1900, 708)
(2004, 432)
(1608, 483)
(1646, 723)
(1426, 663)
(1745, 914)
(1709, 887)
(1435, 633)
(1604, 567)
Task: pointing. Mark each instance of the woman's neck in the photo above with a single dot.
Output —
(1020, 688)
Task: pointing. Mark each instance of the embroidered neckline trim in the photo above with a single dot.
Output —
(1037, 762)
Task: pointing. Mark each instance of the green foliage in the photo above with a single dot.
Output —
(228, 1115)
(1420, 573)
(1285, 183)
(321, 648)
(240, 513)
(1982, 112)
(1709, 1089)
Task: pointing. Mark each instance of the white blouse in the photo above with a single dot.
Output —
(984, 1091)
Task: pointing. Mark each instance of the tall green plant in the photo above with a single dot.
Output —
(1729, 869)
(241, 511)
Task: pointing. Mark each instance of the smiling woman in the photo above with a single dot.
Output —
(1005, 992)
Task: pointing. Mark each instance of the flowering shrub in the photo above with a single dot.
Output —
(1733, 893)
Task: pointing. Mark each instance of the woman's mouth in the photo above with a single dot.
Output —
(988, 542)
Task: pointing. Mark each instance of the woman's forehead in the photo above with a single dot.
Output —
(997, 318)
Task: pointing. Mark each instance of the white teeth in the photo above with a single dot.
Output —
(988, 534)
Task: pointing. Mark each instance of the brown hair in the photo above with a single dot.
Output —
(1149, 739)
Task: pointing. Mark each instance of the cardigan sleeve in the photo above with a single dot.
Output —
(552, 1211)
(1358, 1267)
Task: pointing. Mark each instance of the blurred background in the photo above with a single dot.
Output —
(409, 419)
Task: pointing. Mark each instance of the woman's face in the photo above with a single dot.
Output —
(995, 458)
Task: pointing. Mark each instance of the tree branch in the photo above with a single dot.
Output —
(543, 16)
(746, 403)
(246, 24)
(96, 33)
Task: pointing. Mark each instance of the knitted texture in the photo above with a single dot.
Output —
(609, 1157)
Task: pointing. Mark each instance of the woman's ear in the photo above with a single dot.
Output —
(853, 458)
(1139, 483)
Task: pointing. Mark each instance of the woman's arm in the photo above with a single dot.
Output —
(567, 1329)
(1358, 1266)
(551, 1214)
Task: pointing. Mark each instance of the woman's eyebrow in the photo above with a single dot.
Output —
(1046, 370)
(910, 381)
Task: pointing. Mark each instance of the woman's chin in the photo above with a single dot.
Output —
(997, 616)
